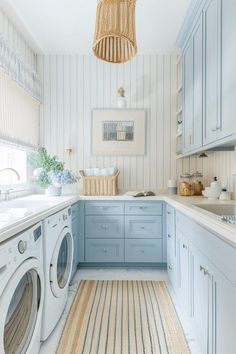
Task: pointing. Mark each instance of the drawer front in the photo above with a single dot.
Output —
(143, 208)
(143, 227)
(104, 208)
(103, 250)
(104, 226)
(146, 251)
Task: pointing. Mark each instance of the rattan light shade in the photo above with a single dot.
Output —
(115, 38)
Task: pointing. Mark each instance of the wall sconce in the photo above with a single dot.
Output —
(69, 151)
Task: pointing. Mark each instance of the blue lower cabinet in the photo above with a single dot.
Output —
(104, 250)
(143, 250)
(143, 227)
(104, 226)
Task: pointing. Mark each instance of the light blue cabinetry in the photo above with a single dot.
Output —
(123, 232)
(76, 236)
(228, 67)
(171, 245)
(207, 40)
(212, 71)
(193, 88)
(206, 272)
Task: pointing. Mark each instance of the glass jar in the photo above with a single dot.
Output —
(185, 185)
(197, 183)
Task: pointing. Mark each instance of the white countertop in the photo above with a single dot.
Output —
(31, 209)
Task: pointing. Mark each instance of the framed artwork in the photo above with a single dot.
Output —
(118, 132)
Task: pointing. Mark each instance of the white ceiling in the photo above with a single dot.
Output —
(67, 26)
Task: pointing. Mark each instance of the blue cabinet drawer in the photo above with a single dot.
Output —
(143, 250)
(103, 250)
(104, 208)
(104, 226)
(143, 208)
(143, 227)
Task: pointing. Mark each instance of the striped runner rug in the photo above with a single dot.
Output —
(122, 317)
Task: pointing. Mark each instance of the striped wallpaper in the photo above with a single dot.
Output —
(74, 85)
(17, 41)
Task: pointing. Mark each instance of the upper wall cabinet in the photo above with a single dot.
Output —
(212, 77)
(228, 67)
(192, 85)
(207, 40)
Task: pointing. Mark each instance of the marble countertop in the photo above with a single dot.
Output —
(21, 213)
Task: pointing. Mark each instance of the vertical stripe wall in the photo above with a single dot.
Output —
(74, 85)
(17, 41)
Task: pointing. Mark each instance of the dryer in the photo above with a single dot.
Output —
(58, 259)
(21, 292)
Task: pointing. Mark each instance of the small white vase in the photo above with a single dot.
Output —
(53, 191)
(121, 102)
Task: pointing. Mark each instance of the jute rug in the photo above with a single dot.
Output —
(122, 317)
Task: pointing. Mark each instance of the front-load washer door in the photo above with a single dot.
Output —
(20, 305)
(61, 263)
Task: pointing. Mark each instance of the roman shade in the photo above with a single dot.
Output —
(19, 113)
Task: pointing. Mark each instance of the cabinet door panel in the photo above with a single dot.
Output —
(183, 270)
(199, 296)
(223, 314)
(212, 71)
(188, 95)
(104, 226)
(197, 84)
(228, 67)
(143, 227)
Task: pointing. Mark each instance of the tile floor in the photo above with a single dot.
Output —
(50, 345)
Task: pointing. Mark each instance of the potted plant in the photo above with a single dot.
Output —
(49, 172)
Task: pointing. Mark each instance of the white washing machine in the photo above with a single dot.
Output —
(58, 259)
(21, 292)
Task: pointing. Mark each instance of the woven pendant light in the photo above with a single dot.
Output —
(115, 39)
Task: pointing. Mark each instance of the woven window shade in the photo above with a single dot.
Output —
(115, 38)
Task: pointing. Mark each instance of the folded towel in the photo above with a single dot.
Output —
(108, 171)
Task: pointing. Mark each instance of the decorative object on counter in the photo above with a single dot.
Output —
(225, 195)
(100, 185)
(172, 186)
(118, 132)
(185, 185)
(49, 172)
(137, 194)
(197, 183)
(115, 37)
(121, 100)
(214, 191)
(69, 151)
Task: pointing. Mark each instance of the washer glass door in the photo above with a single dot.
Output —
(61, 264)
(22, 313)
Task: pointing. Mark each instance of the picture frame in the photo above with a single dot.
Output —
(118, 131)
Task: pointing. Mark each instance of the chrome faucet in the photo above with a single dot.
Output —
(13, 170)
(7, 192)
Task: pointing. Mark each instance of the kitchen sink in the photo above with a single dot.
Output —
(225, 209)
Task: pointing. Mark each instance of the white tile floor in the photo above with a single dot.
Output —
(50, 345)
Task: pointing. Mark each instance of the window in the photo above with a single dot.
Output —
(14, 158)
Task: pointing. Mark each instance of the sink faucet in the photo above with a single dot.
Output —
(13, 170)
(7, 192)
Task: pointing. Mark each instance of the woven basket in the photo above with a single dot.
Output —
(100, 185)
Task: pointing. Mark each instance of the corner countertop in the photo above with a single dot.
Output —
(35, 208)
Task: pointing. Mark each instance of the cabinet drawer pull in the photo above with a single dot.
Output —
(142, 227)
(170, 268)
(185, 246)
(168, 212)
(142, 251)
(169, 236)
(104, 250)
(202, 268)
(214, 130)
(206, 272)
